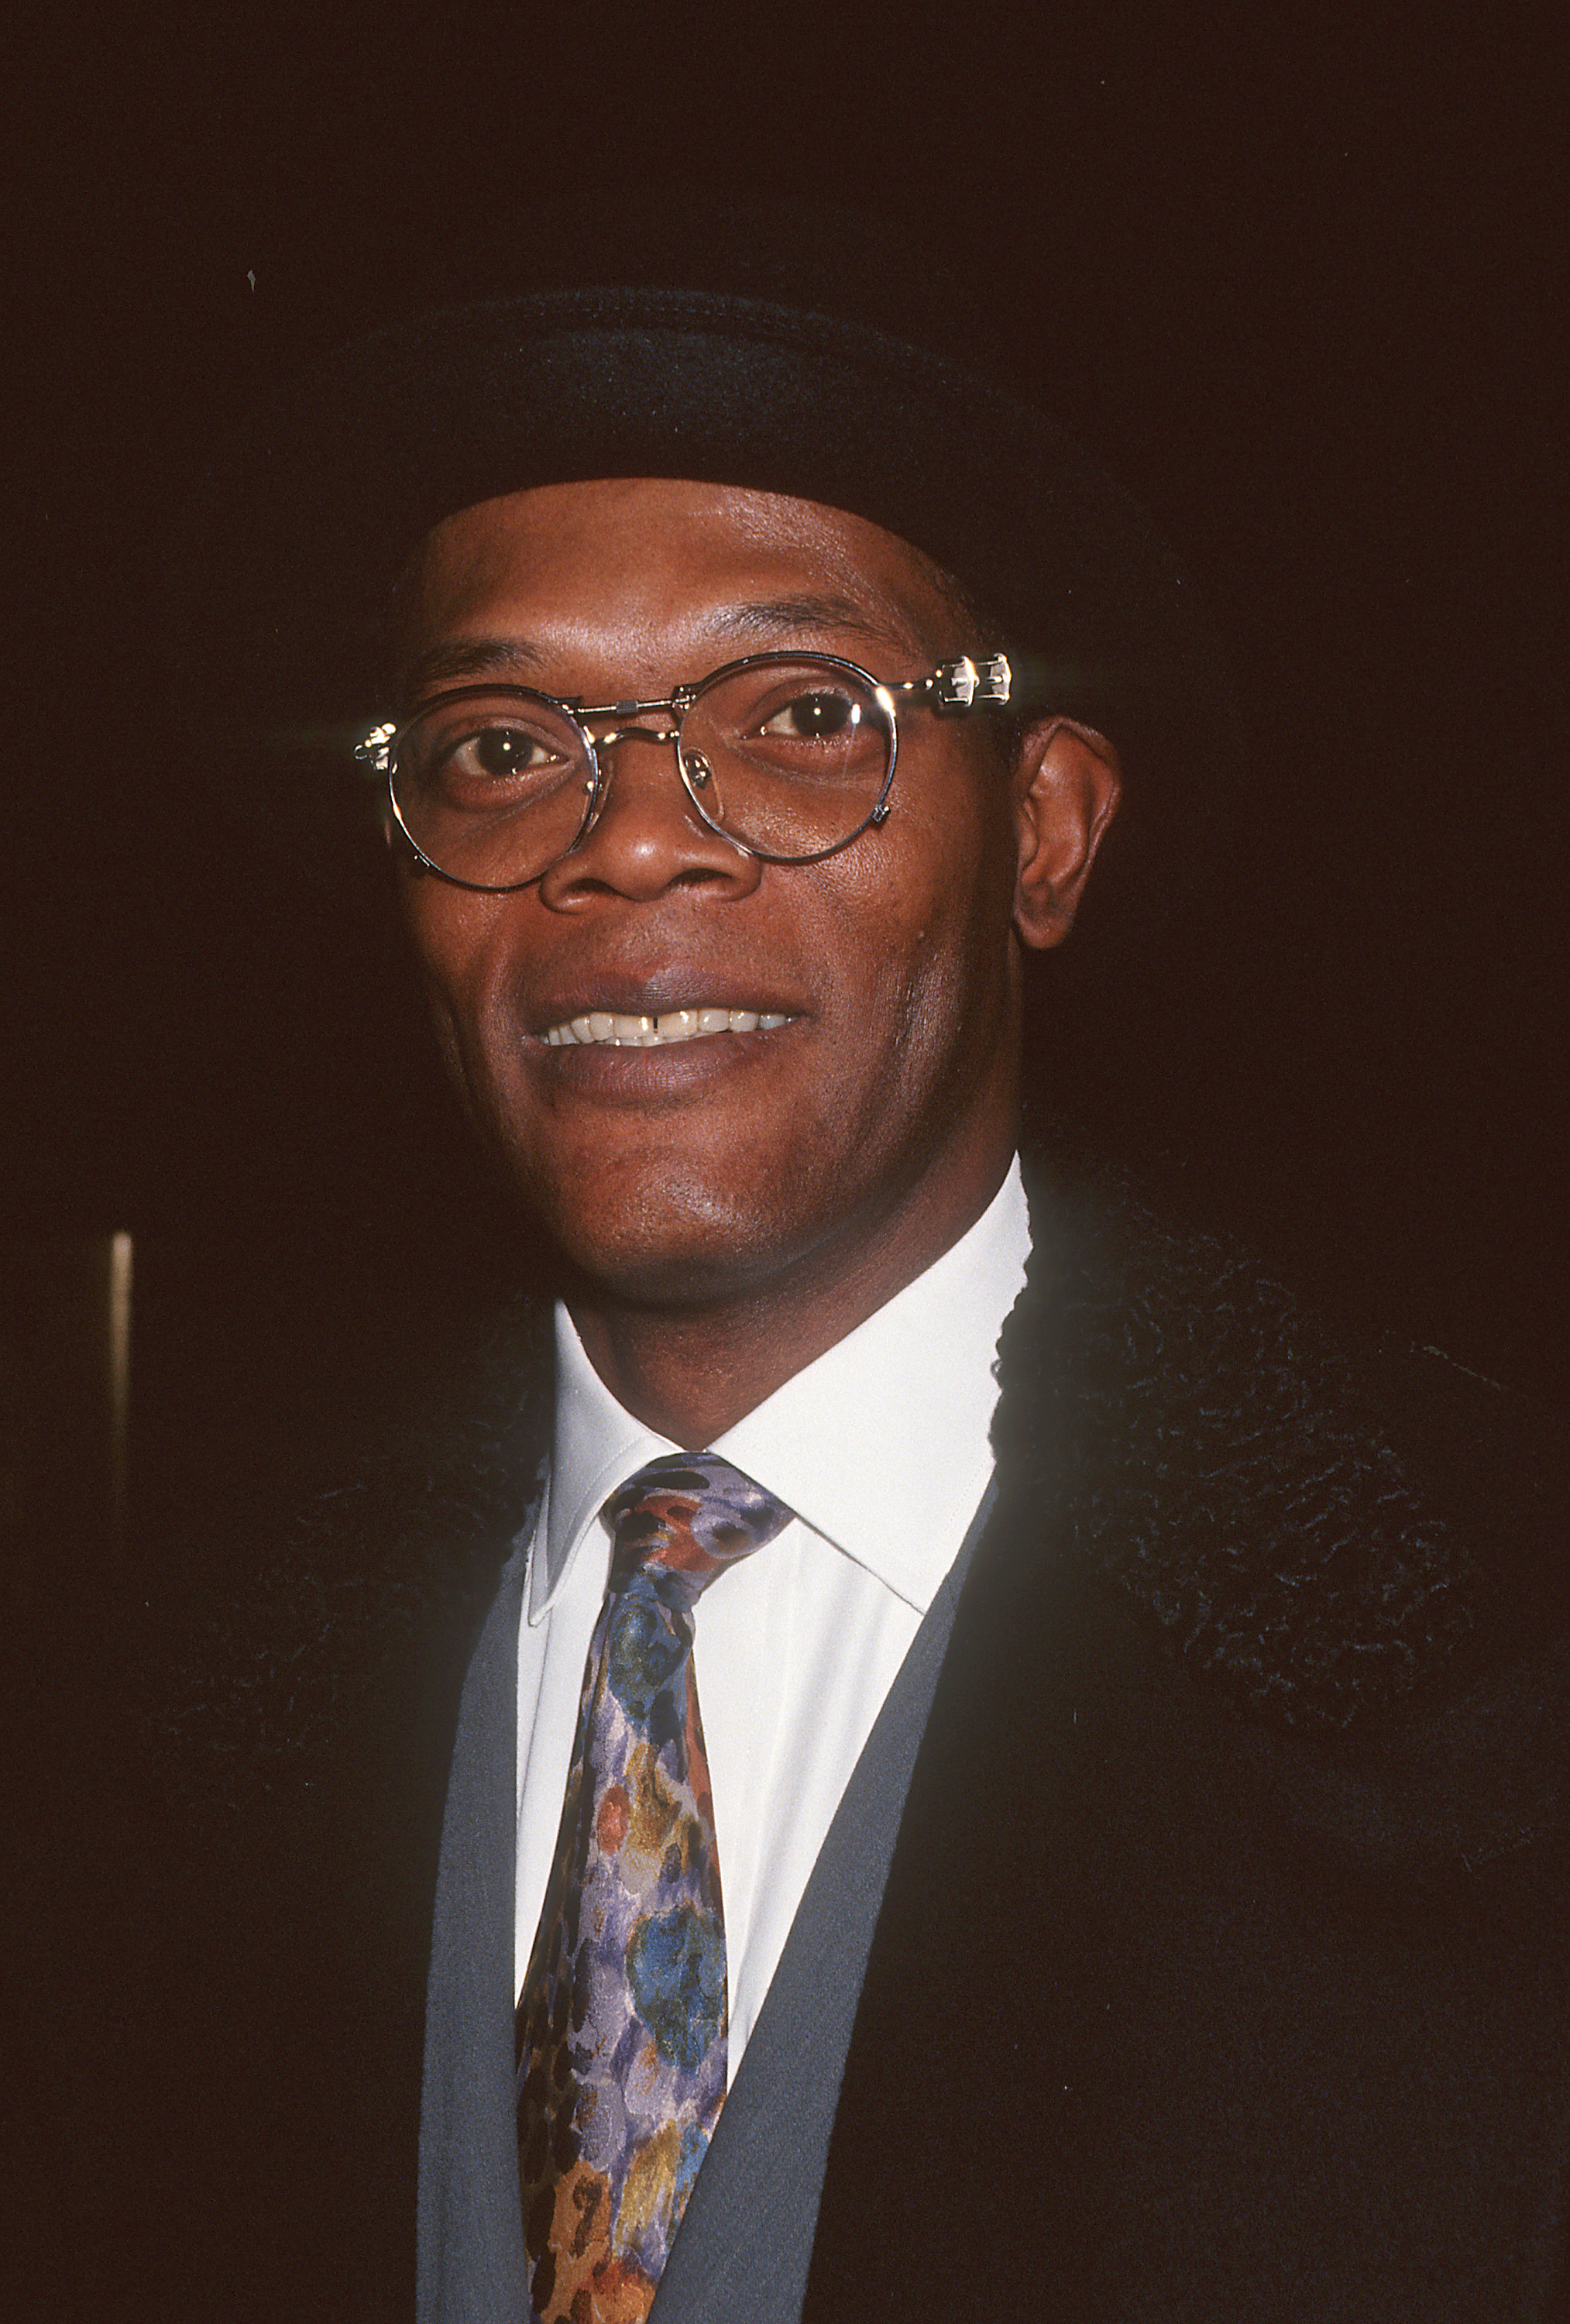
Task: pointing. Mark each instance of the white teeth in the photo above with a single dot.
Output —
(598, 1027)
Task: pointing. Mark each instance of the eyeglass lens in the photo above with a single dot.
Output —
(789, 759)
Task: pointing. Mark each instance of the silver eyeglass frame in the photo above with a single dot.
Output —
(951, 690)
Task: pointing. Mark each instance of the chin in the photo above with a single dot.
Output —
(665, 1245)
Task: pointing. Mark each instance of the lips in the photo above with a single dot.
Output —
(608, 1029)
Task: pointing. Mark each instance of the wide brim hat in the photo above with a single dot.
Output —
(303, 520)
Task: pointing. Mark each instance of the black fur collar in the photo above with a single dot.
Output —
(1201, 1442)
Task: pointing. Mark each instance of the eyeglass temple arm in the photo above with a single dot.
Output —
(374, 751)
(981, 682)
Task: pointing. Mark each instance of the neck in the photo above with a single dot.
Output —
(693, 1373)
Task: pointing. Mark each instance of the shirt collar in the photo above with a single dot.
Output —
(881, 1445)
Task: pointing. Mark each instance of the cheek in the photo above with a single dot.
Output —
(946, 903)
(455, 940)
(930, 991)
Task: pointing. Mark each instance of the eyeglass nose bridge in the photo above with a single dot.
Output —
(695, 772)
(609, 740)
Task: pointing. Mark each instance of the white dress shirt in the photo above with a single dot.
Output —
(881, 1447)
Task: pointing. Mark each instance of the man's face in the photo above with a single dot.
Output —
(870, 1127)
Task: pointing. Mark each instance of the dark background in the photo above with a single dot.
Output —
(1299, 281)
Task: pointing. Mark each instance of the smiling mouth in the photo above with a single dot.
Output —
(602, 1029)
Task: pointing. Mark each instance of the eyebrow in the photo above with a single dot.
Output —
(769, 615)
(465, 658)
(780, 619)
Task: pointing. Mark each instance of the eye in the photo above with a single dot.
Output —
(496, 755)
(501, 753)
(819, 717)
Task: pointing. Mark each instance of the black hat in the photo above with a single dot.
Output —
(303, 523)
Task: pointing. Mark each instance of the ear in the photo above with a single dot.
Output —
(1067, 787)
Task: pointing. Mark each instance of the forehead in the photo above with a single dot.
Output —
(649, 563)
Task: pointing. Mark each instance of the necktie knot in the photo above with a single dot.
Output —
(688, 1515)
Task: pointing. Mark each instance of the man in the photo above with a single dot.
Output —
(828, 1109)
(1095, 1845)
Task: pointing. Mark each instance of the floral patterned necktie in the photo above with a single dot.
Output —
(622, 2027)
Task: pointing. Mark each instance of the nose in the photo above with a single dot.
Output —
(647, 836)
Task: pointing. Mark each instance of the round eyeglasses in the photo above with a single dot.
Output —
(788, 756)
